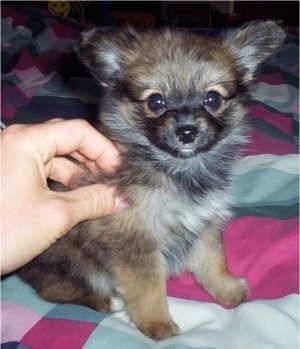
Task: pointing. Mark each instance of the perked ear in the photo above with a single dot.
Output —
(253, 43)
(104, 51)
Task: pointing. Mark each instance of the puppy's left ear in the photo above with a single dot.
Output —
(105, 52)
(253, 43)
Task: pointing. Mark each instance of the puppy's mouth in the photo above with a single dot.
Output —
(183, 135)
(186, 141)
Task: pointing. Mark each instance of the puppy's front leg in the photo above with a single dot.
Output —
(207, 263)
(142, 281)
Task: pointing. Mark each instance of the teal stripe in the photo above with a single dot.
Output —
(12, 79)
(295, 129)
(77, 313)
(287, 203)
(17, 291)
(288, 163)
(266, 186)
(278, 97)
(279, 212)
(283, 103)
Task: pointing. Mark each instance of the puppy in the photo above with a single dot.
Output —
(174, 105)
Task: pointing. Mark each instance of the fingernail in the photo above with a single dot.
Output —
(120, 203)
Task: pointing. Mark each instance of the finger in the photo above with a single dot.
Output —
(94, 166)
(89, 202)
(78, 138)
(61, 169)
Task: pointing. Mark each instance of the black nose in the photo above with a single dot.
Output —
(186, 134)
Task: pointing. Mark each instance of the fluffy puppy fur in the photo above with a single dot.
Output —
(174, 104)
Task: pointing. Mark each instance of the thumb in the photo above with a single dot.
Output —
(90, 202)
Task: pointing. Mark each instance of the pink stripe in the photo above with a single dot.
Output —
(64, 31)
(18, 18)
(263, 250)
(261, 143)
(58, 334)
(45, 63)
(271, 79)
(279, 121)
(13, 325)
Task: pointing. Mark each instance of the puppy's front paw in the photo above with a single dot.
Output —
(230, 291)
(160, 329)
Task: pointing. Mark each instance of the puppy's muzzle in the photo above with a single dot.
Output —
(186, 134)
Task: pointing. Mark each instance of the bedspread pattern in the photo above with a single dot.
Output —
(41, 325)
(42, 79)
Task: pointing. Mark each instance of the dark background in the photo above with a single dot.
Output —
(199, 14)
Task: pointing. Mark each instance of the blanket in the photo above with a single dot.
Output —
(42, 79)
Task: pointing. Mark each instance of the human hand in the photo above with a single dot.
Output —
(33, 216)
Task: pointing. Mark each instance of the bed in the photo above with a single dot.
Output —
(42, 79)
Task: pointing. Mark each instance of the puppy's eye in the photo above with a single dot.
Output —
(213, 100)
(156, 102)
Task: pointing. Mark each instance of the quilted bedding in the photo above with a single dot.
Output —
(42, 79)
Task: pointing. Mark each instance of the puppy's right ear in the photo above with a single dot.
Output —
(253, 43)
(105, 51)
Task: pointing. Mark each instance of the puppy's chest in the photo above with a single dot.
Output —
(170, 215)
(173, 221)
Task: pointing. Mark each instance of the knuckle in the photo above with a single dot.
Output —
(11, 132)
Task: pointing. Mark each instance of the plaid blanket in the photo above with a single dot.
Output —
(31, 323)
(42, 79)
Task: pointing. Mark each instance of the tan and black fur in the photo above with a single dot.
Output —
(174, 105)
